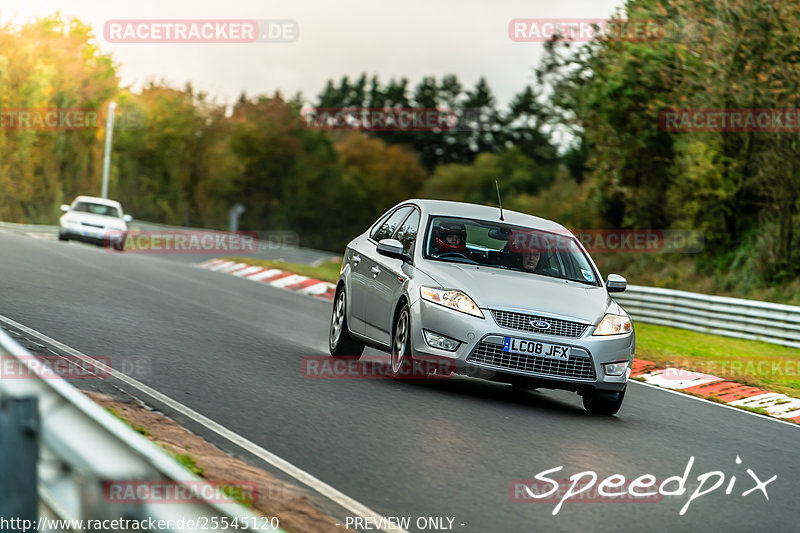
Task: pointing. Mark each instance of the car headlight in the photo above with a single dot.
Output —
(613, 325)
(456, 300)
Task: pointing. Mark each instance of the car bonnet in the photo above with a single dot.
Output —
(497, 288)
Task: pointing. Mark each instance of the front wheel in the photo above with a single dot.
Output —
(402, 364)
(340, 343)
(603, 403)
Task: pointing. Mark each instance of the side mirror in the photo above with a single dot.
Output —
(391, 248)
(64, 207)
(127, 218)
(616, 283)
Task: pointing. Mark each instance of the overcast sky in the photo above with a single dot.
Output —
(410, 38)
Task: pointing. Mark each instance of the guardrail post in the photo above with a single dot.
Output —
(19, 453)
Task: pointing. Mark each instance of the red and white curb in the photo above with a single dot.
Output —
(273, 276)
(719, 389)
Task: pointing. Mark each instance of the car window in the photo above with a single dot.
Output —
(97, 209)
(392, 223)
(379, 223)
(407, 232)
(499, 245)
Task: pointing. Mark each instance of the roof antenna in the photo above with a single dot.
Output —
(497, 186)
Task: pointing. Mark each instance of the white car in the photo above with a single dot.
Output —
(94, 220)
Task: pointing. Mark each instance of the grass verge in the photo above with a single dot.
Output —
(760, 364)
(327, 271)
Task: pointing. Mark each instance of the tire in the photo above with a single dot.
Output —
(401, 363)
(119, 245)
(340, 343)
(599, 403)
(63, 237)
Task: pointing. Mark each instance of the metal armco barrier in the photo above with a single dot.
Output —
(82, 447)
(718, 315)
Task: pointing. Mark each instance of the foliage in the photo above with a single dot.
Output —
(712, 55)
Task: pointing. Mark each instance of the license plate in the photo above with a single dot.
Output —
(541, 349)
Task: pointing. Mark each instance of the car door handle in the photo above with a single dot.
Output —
(356, 260)
(375, 271)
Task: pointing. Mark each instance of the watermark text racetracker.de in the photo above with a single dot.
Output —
(536, 30)
(371, 367)
(71, 367)
(587, 487)
(179, 492)
(730, 120)
(169, 241)
(201, 31)
(185, 242)
(648, 241)
(387, 119)
(65, 119)
(687, 369)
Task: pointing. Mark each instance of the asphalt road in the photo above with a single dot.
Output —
(231, 349)
(278, 245)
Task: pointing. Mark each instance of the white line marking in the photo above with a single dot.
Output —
(774, 403)
(318, 288)
(220, 266)
(234, 268)
(211, 262)
(247, 271)
(318, 485)
(266, 274)
(726, 406)
(288, 280)
(48, 236)
(675, 378)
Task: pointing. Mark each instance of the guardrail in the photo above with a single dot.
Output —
(718, 315)
(81, 448)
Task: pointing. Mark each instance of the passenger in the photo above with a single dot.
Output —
(530, 260)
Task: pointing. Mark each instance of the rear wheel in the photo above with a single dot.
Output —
(603, 403)
(340, 343)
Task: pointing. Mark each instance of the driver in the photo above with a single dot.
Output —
(451, 237)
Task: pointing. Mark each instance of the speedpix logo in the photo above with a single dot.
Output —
(645, 488)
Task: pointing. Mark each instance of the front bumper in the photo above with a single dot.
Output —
(92, 235)
(480, 352)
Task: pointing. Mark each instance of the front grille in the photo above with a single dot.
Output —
(493, 354)
(91, 225)
(522, 322)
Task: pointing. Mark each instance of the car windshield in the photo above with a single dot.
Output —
(499, 245)
(97, 209)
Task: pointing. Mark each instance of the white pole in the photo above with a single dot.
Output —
(107, 157)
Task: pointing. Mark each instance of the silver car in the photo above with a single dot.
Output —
(493, 294)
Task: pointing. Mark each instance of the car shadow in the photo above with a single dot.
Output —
(498, 393)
